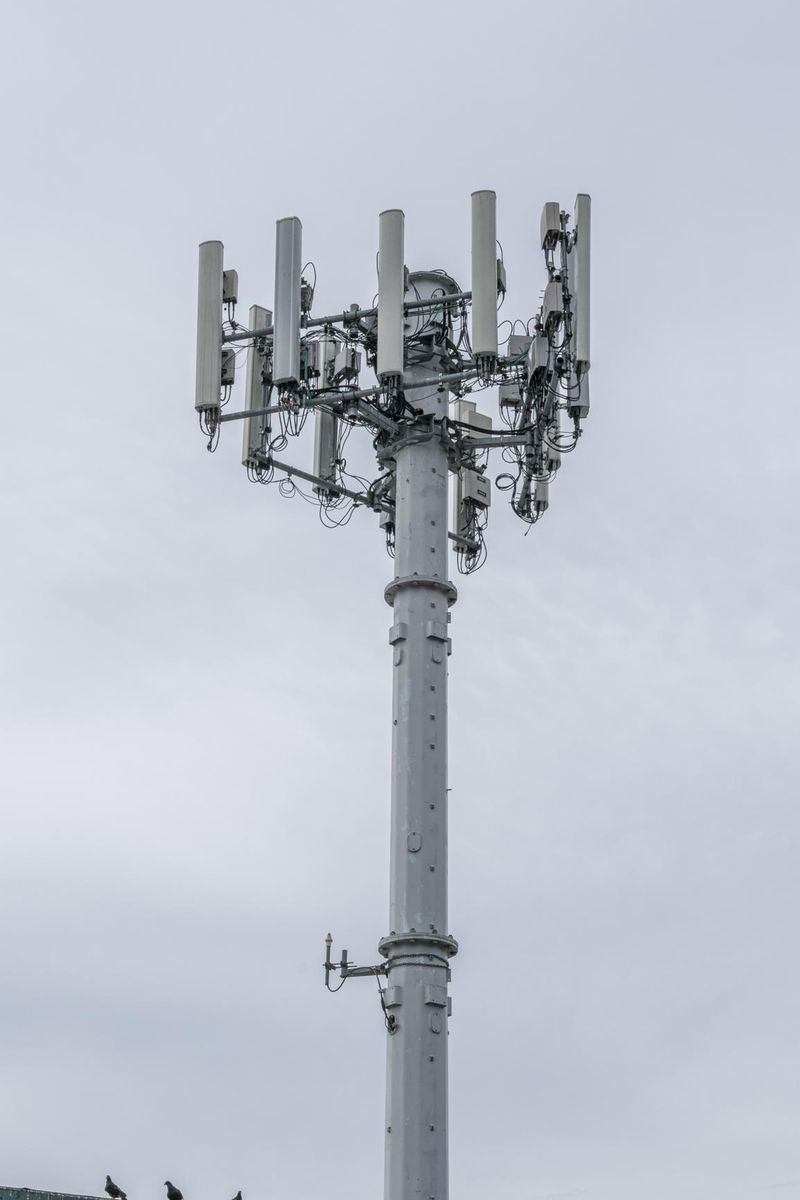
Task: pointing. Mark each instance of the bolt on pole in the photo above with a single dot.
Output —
(428, 357)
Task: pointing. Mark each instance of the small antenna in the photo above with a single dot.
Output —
(328, 963)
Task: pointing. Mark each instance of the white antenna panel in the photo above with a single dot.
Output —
(484, 274)
(582, 281)
(326, 439)
(553, 305)
(288, 265)
(578, 398)
(550, 224)
(208, 378)
(230, 287)
(539, 365)
(391, 292)
(255, 392)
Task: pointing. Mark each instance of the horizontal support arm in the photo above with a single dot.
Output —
(328, 484)
(331, 398)
(274, 408)
(350, 316)
(500, 439)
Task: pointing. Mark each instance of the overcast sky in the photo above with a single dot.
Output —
(196, 676)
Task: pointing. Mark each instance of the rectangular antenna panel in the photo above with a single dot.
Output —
(467, 413)
(255, 395)
(209, 327)
(326, 437)
(539, 357)
(228, 366)
(484, 274)
(346, 364)
(550, 224)
(552, 395)
(541, 496)
(288, 265)
(461, 513)
(310, 359)
(552, 305)
(518, 345)
(578, 399)
(391, 292)
(581, 284)
(230, 287)
(502, 277)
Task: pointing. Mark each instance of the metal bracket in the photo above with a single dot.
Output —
(347, 970)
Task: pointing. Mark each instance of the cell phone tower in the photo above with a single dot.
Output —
(432, 345)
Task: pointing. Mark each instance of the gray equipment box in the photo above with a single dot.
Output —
(346, 365)
(510, 395)
(228, 366)
(477, 488)
(230, 287)
(518, 345)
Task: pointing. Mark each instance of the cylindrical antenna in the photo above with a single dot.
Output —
(391, 292)
(255, 392)
(208, 379)
(484, 275)
(582, 280)
(288, 265)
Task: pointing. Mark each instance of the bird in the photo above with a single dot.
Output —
(116, 1193)
(173, 1193)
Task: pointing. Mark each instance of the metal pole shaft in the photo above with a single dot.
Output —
(419, 946)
